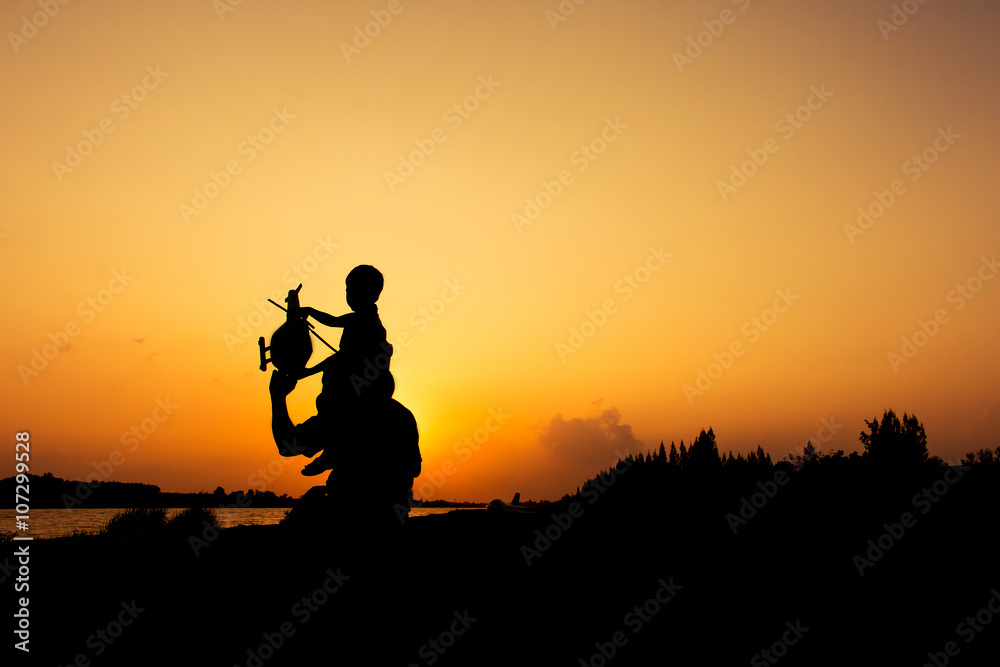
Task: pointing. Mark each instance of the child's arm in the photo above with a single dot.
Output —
(306, 372)
(324, 318)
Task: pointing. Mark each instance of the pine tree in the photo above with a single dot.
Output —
(661, 456)
(704, 454)
(895, 442)
(761, 457)
(674, 457)
(808, 456)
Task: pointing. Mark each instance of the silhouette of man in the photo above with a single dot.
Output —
(375, 459)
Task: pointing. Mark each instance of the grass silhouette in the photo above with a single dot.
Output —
(135, 522)
(152, 522)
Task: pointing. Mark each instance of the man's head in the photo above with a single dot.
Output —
(364, 284)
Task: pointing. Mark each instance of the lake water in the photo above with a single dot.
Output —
(49, 523)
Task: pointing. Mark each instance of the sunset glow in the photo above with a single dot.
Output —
(599, 229)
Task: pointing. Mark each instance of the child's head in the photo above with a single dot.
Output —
(364, 284)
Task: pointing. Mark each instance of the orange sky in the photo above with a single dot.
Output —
(517, 178)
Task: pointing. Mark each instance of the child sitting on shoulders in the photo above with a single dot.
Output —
(360, 370)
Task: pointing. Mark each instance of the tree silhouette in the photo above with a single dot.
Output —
(895, 442)
(762, 458)
(984, 456)
(704, 454)
(674, 459)
(808, 456)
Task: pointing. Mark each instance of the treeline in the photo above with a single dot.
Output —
(891, 443)
(469, 504)
(445, 503)
(47, 492)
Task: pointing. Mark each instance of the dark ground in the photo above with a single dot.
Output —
(462, 581)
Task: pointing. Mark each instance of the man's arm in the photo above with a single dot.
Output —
(281, 424)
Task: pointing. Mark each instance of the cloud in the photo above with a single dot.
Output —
(595, 442)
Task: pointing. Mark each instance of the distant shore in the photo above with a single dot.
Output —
(49, 492)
